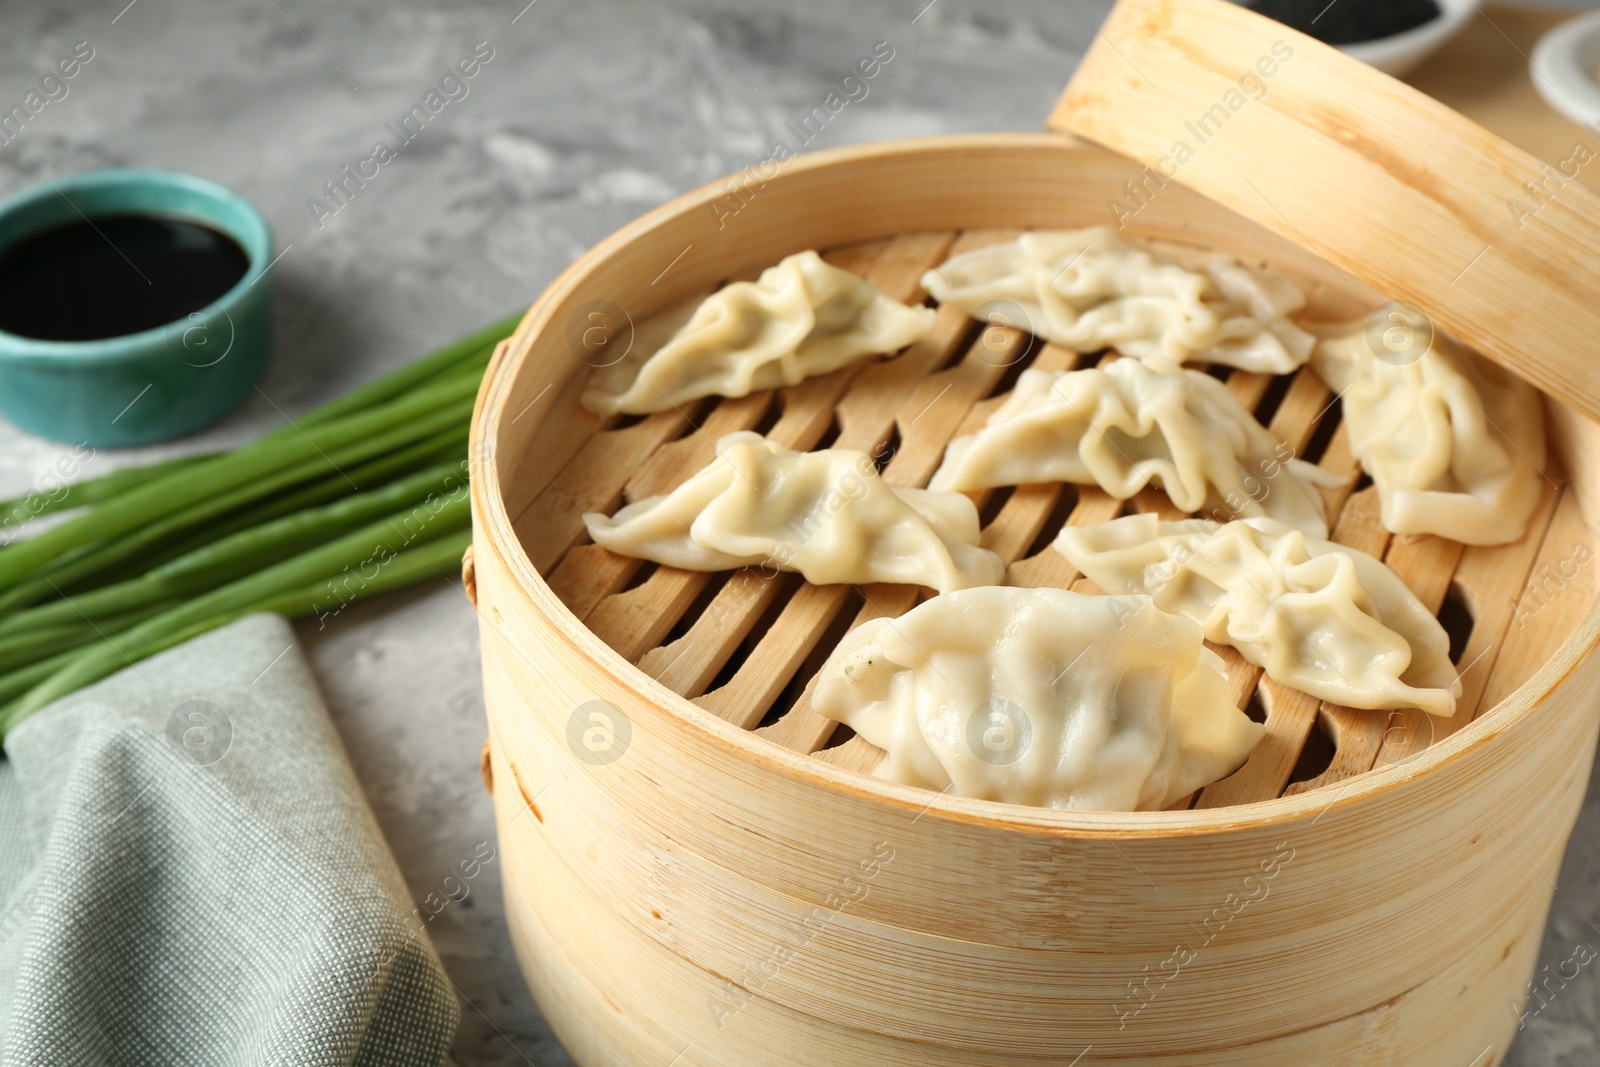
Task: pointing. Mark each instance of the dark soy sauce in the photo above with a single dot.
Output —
(1349, 21)
(116, 275)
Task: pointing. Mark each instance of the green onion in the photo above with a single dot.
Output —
(152, 514)
(24, 647)
(239, 553)
(473, 351)
(373, 546)
(20, 680)
(362, 495)
(449, 445)
(197, 488)
(30, 506)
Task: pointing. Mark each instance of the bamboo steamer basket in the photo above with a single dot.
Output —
(699, 870)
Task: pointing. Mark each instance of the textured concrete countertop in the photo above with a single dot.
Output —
(587, 115)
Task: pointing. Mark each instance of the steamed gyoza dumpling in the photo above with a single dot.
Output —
(1454, 443)
(1316, 616)
(802, 318)
(1041, 697)
(1089, 289)
(827, 515)
(1125, 426)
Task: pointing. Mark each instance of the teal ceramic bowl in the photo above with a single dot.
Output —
(159, 383)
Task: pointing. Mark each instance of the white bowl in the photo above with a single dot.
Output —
(1400, 54)
(1562, 67)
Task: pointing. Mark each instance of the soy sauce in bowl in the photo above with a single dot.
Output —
(135, 305)
(1350, 22)
(114, 275)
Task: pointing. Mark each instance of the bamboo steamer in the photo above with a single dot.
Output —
(698, 872)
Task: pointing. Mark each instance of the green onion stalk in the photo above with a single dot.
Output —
(360, 496)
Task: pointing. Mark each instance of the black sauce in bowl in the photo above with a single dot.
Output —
(113, 275)
(1349, 21)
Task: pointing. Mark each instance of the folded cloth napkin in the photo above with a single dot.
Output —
(189, 874)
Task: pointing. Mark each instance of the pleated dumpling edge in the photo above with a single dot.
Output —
(827, 515)
(1315, 615)
(1454, 444)
(1125, 426)
(1042, 697)
(1089, 290)
(803, 317)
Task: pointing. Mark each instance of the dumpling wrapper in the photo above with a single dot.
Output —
(803, 317)
(1125, 426)
(1042, 697)
(1454, 444)
(1090, 289)
(827, 515)
(1316, 616)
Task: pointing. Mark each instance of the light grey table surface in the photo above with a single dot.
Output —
(587, 115)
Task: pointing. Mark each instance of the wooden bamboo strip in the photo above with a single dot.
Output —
(801, 728)
(1021, 519)
(689, 664)
(1048, 568)
(1248, 387)
(1425, 563)
(856, 754)
(592, 481)
(1358, 736)
(1559, 592)
(1243, 675)
(1153, 501)
(1338, 457)
(636, 620)
(882, 390)
(1296, 418)
(771, 664)
(1360, 524)
(938, 405)
(1291, 715)
(564, 430)
(1490, 580)
(588, 574)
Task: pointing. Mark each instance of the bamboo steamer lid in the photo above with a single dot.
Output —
(1386, 183)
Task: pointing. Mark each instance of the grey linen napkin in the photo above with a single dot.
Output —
(189, 874)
